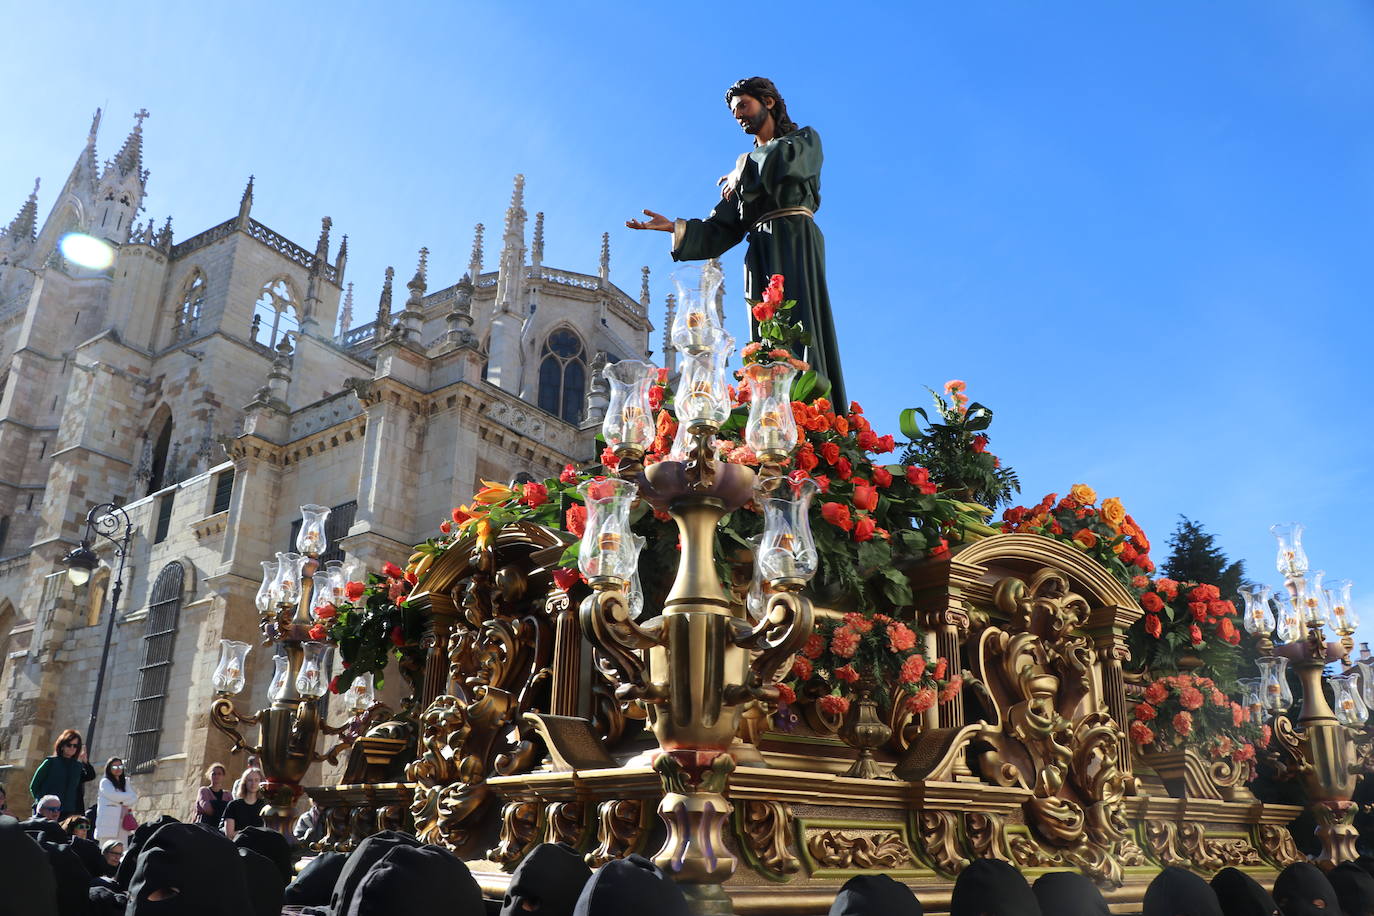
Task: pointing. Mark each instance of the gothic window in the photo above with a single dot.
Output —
(275, 314)
(154, 674)
(192, 302)
(162, 443)
(563, 376)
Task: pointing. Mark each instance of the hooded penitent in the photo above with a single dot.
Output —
(1241, 895)
(27, 879)
(989, 887)
(125, 873)
(369, 852)
(427, 879)
(1354, 889)
(631, 887)
(548, 882)
(186, 870)
(263, 882)
(315, 883)
(1069, 893)
(269, 844)
(1178, 892)
(1302, 890)
(875, 895)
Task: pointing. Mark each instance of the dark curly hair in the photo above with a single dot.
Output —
(762, 88)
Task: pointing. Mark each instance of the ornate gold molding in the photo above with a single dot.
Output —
(765, 832)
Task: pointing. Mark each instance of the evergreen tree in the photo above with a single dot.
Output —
(1195, 557)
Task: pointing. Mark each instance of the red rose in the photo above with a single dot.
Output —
(1145, 712)
(786, 696)
(1167, 587)
(868, 440)
(569, 475)
(830, 452)
(609, 459)
(773, 293)
(1153, 625)
(536, 494)
(1183, 723)
(843, 469)
(334, 684)
(656, 396)
(855, 408)
(885, 444)
(920, 479)
(835, 706)
(576, 520)
(980, 443)
(801, 668)
(764, 311)
(326, 612)
(864, 528)
(354, 590)
(806, 458)
(847, 674)
(882, 477)
(446, 526)
(1140, 582)
(1198, 610)
(865, 498)
(822, 483)
(1143, 562)
(913, 669)
(392, 571)
(412, 578)
(1127, 553)
(1227, 631)
(1219, 608)
(940, 550)
(318, 632)
(1195, 634)
(837, 514)
(565, 578)
(1152, 602)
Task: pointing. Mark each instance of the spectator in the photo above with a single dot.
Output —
(49, 808)
(77, 826)
(63, 773)
(113, 851)
(213, 798)
(114, 807)
(246, 808)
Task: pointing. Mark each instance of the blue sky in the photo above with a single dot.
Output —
(1140, 231)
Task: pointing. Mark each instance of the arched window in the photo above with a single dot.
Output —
(154, 675)
(275, 314)
(563, 376)
(161, 433)
(192, 301)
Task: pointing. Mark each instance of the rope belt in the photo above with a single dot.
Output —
(784, 211)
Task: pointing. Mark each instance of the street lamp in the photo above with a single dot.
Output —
(104, 520)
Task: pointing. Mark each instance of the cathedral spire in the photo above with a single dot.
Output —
(511, 278)
(384, 306)
(419, 283)
(25, 223)
(322, 246)
(346, 313)
(537, 251)
(341, 260)
(644, 288)
(669, 351)
(475, 262)
(605, 255)
(246, 202)
(129, 159)
(412, 315)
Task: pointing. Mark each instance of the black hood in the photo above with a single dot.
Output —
(990, 887)
(1298, 889)
(1069, 893)
(315, 883)
(25, 875)
(408, 879)
(1241, 895)
(631, 887)
(125, 873)
(1354, 889)
(548, 882)
(875, 895)
(1178, 892)
(262, 880)
(195, 871)
(269, 844)
(369, 852)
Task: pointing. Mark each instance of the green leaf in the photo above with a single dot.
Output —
(803, 385)
(875, 553)
(909, 426)
(896, 588)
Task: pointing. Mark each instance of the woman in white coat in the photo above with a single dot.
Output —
(116, 796)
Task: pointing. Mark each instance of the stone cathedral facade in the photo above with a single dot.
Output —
(212, 384)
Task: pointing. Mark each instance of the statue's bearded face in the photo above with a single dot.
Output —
(750, 113)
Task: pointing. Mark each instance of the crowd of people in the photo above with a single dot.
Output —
(66, 860)
(174, 868)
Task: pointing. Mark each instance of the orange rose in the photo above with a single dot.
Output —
(1113, 513)
(1083, 494)
(1086, 538)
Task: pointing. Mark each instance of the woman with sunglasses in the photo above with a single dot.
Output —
(64, 773)
(115, 804)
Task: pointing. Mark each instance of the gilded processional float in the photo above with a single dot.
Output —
(752, 648)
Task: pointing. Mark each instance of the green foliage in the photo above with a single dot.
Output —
(954, 449)
(1195, 557)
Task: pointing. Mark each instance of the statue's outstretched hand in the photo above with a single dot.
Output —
(658, 221)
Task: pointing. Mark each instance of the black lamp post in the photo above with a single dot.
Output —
(104, 520)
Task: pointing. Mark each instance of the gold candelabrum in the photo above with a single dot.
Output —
(1328, 748)
(699, 664)
(295, 587)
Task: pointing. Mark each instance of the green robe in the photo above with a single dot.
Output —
(784, 172)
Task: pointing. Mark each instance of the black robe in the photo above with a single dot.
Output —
(784, 172)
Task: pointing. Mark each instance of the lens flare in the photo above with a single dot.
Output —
(86, 251)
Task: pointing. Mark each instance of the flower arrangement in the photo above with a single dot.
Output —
(873, 647)
(1187, 711)
(1106, 533)
(955, 448)
(777, 337)
(1185, 619)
